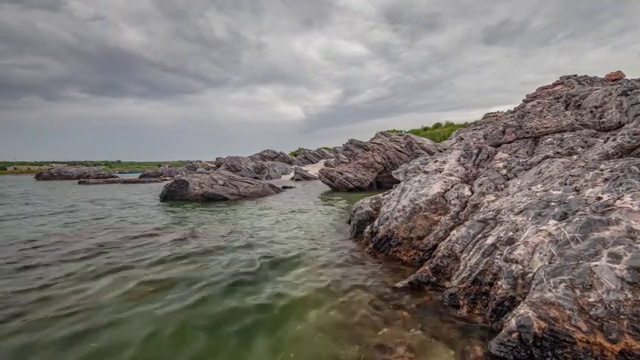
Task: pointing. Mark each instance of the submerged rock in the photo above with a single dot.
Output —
(216, 186)
(529, 222)
(363, 166)
(121, 181)
(300, 174)
(74, 173)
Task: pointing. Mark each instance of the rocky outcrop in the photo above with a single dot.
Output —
(272, 155)
(121, 181)
(217, 186)
(529, 222)
(162, 172)
(308, 157)
(198, 166)
(260, 170)
(363, 166)
(74, 173)
(300, 174)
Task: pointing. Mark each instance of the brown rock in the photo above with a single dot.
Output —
(615, 76)
(364, 166)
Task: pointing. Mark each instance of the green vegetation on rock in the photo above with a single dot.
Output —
(437, 132)
(296, 152)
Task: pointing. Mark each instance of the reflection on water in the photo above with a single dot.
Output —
(108, 272)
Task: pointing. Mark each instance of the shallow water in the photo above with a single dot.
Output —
(109, 272)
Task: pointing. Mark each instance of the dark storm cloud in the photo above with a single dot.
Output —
(280, 73)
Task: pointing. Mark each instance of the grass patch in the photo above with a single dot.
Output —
(437, 132)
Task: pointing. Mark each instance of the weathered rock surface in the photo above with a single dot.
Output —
(529, 222)
(362, 166)
(74, 173)
(217, 186)
(260, 170)
(121, 181)
(309, 157)
(197, 166)
(300, 174)
(272, 155)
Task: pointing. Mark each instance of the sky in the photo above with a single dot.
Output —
(196, 79)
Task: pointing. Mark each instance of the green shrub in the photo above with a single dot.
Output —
(436, 126)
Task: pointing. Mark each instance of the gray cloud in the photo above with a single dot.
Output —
(161, 79)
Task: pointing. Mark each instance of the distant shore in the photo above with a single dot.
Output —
(117, 166)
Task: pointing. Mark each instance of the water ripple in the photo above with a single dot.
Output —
(108, 272)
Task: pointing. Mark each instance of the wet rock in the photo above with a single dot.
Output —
(363, 166)
(287, 187)
(74, 173)
(261, 170)
(121, 181)
(217, 186)
(529, 221)
(300, 174)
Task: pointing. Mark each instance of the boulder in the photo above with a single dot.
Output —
(121, 181)
(615, 76)
(74, 173)
(216, 186)
(260, 170)
(529, 222)
(364, 166)
(300, 174)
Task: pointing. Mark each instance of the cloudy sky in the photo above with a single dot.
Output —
(166, 79)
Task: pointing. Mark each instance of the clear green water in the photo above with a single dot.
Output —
(108, 272)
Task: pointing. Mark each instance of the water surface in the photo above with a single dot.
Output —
(109, 272)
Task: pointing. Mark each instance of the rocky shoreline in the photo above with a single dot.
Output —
(528, 221)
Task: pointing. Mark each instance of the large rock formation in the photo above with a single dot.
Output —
(260, 170)
(197, 166)
(362, 166)
(217, 186)
(530, 222)
(308, 157)
(272, 155)
(74, 173)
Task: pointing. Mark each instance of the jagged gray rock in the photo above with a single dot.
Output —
(529, 222)
(197, 166)
(363, 166)
(300, 174)
(216, 186)
(272, 155)
(261, 170)
(309, 157)
(74, 173)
